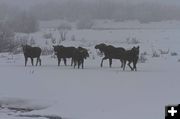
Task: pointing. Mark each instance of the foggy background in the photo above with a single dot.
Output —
(27, 16)
(118, 10)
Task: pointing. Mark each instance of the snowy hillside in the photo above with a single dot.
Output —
(52, 92)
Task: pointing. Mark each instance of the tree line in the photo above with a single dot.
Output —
(119, 11)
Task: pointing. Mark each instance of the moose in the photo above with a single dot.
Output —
(32, 52)
(63, 52)
(131, 56)
(110, 52)
(79, 55)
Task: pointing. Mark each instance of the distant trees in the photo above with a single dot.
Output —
(85, 24)
(103, 9)
(18, 20)
(75, 10)
(6, 38)
(15, 20)
(32, 41)
(23, 22)
(63, 30)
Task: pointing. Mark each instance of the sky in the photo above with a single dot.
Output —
(26, 3)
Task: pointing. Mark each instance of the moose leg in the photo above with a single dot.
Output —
(124, 64)
(102, 61)
(64, 61)
(32, 62)
(110, 63)
(74, 64)
(26, 59)
(82, 63)
(134, 65)
(121, 63)
(130, 66)
(59, 61)
(71, 61)
(37, 61)
(79, 63)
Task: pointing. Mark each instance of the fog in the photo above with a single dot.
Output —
(23, 3)
(119, 10)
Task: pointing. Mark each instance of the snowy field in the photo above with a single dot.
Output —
(50, 91)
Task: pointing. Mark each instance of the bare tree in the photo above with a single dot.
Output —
(63, 30)
(74, 10)
(32, 41)
(23, 22)
(53, 40)
(6, 38)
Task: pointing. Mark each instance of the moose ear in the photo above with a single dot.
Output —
(138, 46)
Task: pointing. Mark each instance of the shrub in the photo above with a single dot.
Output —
(142, 58)
(174, 53)
(155, 54)
(53, 40)
(63, 30)
(144, 53)
(132, 41)
(99, 53)
(164, 51)
(46, 51)
(32, 41)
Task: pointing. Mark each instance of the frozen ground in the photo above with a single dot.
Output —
(94, 92)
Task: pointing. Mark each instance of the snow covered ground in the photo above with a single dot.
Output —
(94, 92)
